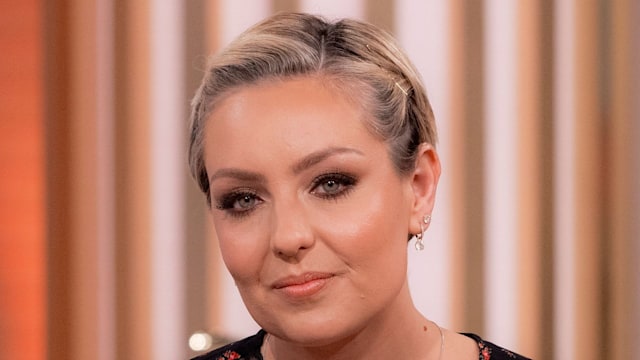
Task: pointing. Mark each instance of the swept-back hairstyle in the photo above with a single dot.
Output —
(358, 59)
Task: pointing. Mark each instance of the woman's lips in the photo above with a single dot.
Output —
(301, 286)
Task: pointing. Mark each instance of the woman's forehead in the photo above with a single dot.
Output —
(297, 115)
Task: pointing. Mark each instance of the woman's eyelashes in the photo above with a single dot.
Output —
(333, 185)
(240, 202)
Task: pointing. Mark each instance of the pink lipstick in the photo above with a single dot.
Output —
(301, 286)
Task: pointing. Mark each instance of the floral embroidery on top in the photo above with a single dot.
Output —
(230, 355)
(249, 349)
(486, 351)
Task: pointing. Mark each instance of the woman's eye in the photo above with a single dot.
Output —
(245, 202)
(238, 203)
(332, 185)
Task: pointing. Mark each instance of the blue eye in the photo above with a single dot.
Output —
(332, 185)
(238, 203)
(244, 202)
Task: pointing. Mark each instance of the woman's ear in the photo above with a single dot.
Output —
(424, 181)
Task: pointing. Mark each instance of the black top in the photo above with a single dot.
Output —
(249, 349)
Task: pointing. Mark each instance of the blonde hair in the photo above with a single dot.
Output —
(356, 57)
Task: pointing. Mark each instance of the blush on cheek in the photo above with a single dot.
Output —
(234, 254)
(243, 256)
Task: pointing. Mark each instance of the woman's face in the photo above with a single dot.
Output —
(311, 217)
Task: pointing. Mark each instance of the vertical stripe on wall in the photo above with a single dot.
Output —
(23, 333)
(167, 165)
(382, 13)
(534, 179)
(83, 199)
(467, 165)
(334, 9)
(284, 5)
(57, 96)
(622, 134)
(198, 306)
(231, 25)
(564, 196)
(635, 178)
(132, 176)
(501, 163)
(544, 343)
(588, 182)
(105, 168)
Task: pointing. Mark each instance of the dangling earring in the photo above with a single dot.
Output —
(419, 243)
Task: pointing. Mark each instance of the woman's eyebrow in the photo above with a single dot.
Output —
(237, 174)
(301, 165)
(319, 156)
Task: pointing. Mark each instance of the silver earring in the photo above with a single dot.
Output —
(419, 243)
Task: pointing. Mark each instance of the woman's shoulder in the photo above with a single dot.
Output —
(490, 351)
(245, 349)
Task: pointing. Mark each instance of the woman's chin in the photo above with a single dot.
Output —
(313, 334)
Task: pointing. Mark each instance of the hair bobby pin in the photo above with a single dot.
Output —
(401, 89)
(404, 91)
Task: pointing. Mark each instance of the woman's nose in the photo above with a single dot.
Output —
(291, 233)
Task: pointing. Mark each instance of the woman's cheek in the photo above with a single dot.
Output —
(241, 252)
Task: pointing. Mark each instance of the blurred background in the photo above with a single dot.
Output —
(106, 249)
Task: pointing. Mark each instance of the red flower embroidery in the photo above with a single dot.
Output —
(230, 355)
(485, 354)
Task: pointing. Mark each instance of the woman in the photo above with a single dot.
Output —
(314, 145)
